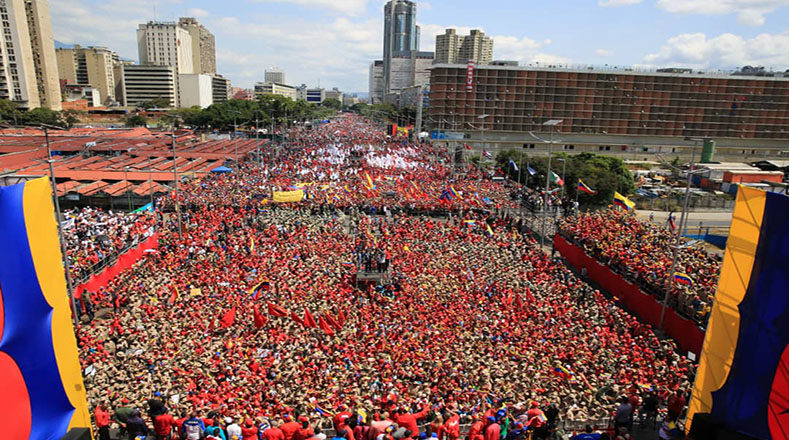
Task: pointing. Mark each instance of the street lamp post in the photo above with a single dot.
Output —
(481, 140)
(66, 264)
(175, 176)
(550, 124)
(682, 219)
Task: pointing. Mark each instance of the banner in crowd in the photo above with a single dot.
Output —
(125, 261)
(40, 377)
(743, 375)
(288, 196)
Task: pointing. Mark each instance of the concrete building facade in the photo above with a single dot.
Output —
(166, 44)
(333, 94)
(452, 48)
(316, 95)
(401, 34)
(270, 88)
(94, 66)
(148, 82)
(612, 110)
(376, 82)
(195, 89)
(409, 69)
(220, 89)
(203, 46)
(275, 76)
(28, 65)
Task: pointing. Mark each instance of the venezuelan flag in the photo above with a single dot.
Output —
(323, 412)
(454, 192)
(683, 278)
(490, 231)
(257, 288)
(251, 244)
(39, 365)
(582, 187)
(623, 202)
(369, 185)
(743, 376)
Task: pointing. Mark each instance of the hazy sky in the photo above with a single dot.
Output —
(334, 41)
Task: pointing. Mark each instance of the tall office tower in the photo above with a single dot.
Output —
(203, 46)
(275, 76)
(452, 48)
(166, 44)
(376, 82)
(401, 34)
(89, 65)
(28, 66)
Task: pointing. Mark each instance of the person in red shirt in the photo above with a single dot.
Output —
(290, 427)
(450, 430)
(249, 431)
(163, 425)
(102, 415)
(408, 421)
(476, 430)
(305, 432)
(493, 430)
(339, 419)
(274, 433)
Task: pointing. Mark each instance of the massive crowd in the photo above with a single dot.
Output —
(642, 251)
(93, 236)
(254, 321)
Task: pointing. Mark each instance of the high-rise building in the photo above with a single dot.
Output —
(275, 76)
(401, 34)
(166, 44)
(143, 83)
(28, 70)
(272, 88)
(376, 82)
(92, 66)
(221, 89)
(452, 48)
(203, 46)
(409, 69)
(195, 89)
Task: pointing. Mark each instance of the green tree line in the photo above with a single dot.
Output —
(604, 174)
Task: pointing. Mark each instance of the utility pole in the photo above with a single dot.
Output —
(66, 264)
(550, 124)
(177, 195)
(419, 104)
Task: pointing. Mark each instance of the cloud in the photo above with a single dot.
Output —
(723, 51)
(615, 3)
(524, 50)
(749, 12)
(196, 12)
(604, 52)
(353, 8)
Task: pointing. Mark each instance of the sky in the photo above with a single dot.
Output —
(331, 43)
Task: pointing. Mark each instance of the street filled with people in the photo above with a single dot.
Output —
(255, 322)
(642, 251)
(93, 236)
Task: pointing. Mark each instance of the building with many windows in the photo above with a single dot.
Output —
(143, 83)
(316, 95)
(452, 48)
(203, 46)
(220, 89)
(166, 44)
(608, 107)
(269, 88)
(89, 66)
(274, 75)
(401, 34)
(376, 82)
(28, 65)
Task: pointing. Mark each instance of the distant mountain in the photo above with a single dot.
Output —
(59, 45)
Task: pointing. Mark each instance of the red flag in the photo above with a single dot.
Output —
(518, 302)
(340, 319)
(468, 147)
(229, 318)
(332, 322)
(275, 310)
(259, 318)
(296, 318)
(325, 326)
(309, 321)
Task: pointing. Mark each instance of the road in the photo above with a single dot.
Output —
(712, 219)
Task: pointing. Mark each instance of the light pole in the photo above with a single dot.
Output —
(550, 124)
(175, 176)
(128, 186)
(66, 264)
(482, 138)
(682, 219)
(564, 172)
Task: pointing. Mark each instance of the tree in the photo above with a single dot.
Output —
(160, 102)
(9, 111)
(192, 116)
(71, 117)
(332, 103)
(136, 121)
(604, 174)
(41, 115)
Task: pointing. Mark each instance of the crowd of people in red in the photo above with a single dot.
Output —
(643, 252)
(254, 322)
(93, 236)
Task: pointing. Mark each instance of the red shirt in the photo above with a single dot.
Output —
(102, 417)
(493, 432)
(408, 421)
(339, 420)
(250, 433)
(289, 429)
(163, 423)
(475, 432)
(273, 434)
